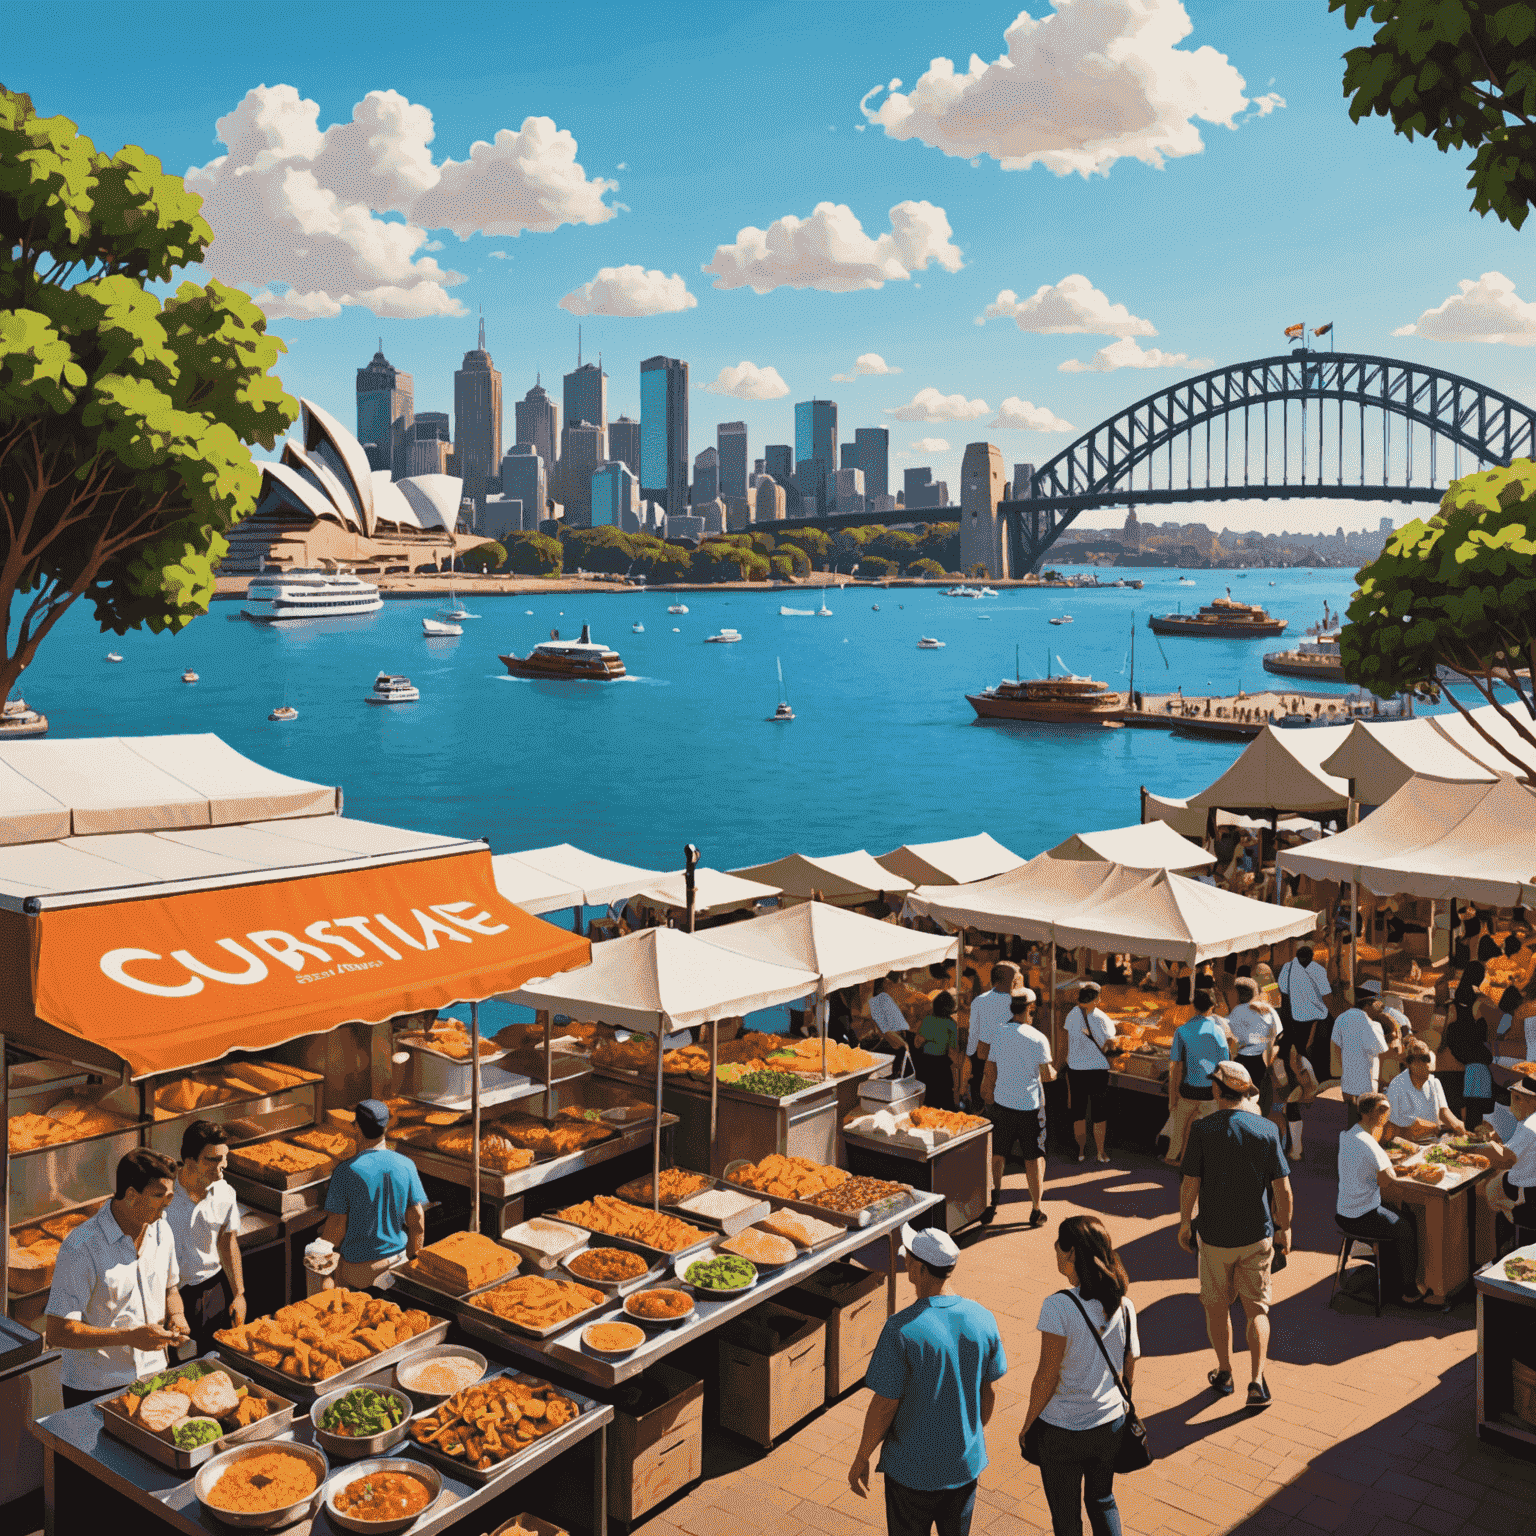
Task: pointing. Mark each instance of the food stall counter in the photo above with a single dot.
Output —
(1506, 1357)
(959, 1168)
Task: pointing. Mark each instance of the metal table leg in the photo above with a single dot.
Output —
(894, 1240)
(599, 1444)
(50, 1518)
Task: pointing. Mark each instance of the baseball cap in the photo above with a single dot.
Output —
(933, 1245)
(1232, 1074)
(372, 1118)
(1022, 999)
(1525, 1085)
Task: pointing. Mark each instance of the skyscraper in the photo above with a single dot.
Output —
(816, 438)
(385, 400)
(873, 455)
(664, 432)
(624, 443)
(586, 398)
(477, 421)
(731, 444)
(779, 461)
(524, 477)
(426, 448)
(768, 501)
(614, 494)
(580, 454)
(538, 424)
(706, 476)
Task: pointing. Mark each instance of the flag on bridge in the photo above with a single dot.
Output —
(1296, 330)
(1323, 330)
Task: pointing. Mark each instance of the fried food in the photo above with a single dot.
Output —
(803, 1231)
(1429, 1173)
(790, 1178)
(464, 1261)
(258, 1484)
(676, 1184)
(280, 1157)
(447, 1037)
(339, 1328)
(335, 1144)
(659, 1306)
(608, 1265)
(762, 1248)
(854, 1194)
(553, 1140)
(252, 1410)
(626, 1056)
(496, 1152)
(68, 1120)
(805, 1056)
(618, 1218)
(487, 1423)
(536, 1302)
(925, 1118)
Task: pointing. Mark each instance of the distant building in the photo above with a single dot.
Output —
(525, 478)
(880, 503)
(714, 515)
(847, 455)
(538, 423)
(1131, 536)
(810, 484)
(1386, 526)
(779, 461)
(385, 402)
(731, 444)
(683, 525)
(848, 491)
(624, 443)
(706, 476)
(586, 399)
(982, 486)
(423, 456)
(477, 421)
(768, 501)
(664, 431)
(738, 513)
(581, 451)
(873, 456)
(502, 516)
(614, 495)
(920, 489)
(1023, 481)
(816, 439)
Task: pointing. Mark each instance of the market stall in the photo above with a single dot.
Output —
(955, 861)
(841, 879)
(713, 893)
(1148, 845)
(1280, 770)
(1506, 1352)
(1377, 760)
(593, 881)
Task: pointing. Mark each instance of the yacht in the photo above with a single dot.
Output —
(1316, 656)
(309, 594)
(17, 720)
(1066, 700)
(1224, 619)
(678, 608)
(962, 592)
(725, 637)
(823, 612)
(113, 656)
(284, 712)
(388, 688)
(927, 643)
(783, 714)
(637, 629)
(439, 629)
(1066, 618)
(456, 612)
(189, 676)
(875, 607)
(557, 660)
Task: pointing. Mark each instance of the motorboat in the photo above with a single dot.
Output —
(928, 643)
(986, 592)
(875, 607)
(438, 629)
(113, 656)
(726, 636)
(1316, 656)
(637, 629)
(573, 661)
(962, 592)
(309, 594)
(1066, 700)
(1065, 618)
(284, 712)
(783, 714)
(16, 720)
(796, 613)
(189, 676)
(678, 608)
(1184, 581)
(823, 612)
(1224, 619)
(456, 612)
(389, 688)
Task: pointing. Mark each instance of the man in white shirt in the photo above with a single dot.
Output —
(1516, 1159)
(1365, 1174)
(1088, 1030)
(1416, 1098)
(114, 1308)
(887, 1014)
(1256, 1028)
(1362, 1043)
(1305, 987)
(1016, 1063)
(204, 1216)
(989, 1011)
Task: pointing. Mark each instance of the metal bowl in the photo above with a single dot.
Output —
(684, 1264)
(348, 1447)
(268, 1519)
(344, 1479)
(438, 1352)
(659, 1322)
(612, 1354)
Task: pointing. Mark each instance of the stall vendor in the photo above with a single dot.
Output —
(377, 1209)
(114, 1308)
(887, 1014)
(205, 1222)
(1417, 1098)
(1362, 1042)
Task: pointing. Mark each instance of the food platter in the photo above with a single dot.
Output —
(438, 1352)
(588, 1340)
(268, 1519)
(709, 1292)
(660, 1323)
(859, 1218)
(482, 1317)
(652, 1272)
(638, 1191)
(656, 1255)
(349, 1447)
(308, 1391)
(341, 1481)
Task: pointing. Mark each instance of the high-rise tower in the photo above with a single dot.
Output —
(624, 443)
(816, 441)
(538, 423)
(731, 444)
(664, 432)
(586, 398)
(385, 410)
(872, 454)
(477, 421)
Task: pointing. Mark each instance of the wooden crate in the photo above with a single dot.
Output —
(772, 1371)
(654, 1453)
(851, 1301)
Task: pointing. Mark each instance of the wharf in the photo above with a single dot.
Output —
(1244, 715)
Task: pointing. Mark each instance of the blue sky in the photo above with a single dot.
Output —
(707, 119)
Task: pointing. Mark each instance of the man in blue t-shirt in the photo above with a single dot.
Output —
(1198, 1045)
(377, 1209)
(932, 1374)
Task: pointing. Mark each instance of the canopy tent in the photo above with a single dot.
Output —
(959, 861)
(713, 891)
(845, 878)
(1150, 845)
(1380, 758)
(1191, 823)
(531, 888)
(1472, 739)
(1435, 840)
(1026, 901)
(1281, 769)
(599, 881)
(842, 948)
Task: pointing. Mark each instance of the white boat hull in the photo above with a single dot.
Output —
(277, 611)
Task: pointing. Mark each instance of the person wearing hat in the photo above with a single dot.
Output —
(1016, 1064)
(1514, 1196)
(932, 1375)
(1235, 1170)
(1362, 1043)
(376, 1207)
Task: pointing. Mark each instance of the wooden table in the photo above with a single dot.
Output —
(1456, 1230)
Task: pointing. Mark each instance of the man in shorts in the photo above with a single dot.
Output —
(1015, 1063)
(1235, 1170)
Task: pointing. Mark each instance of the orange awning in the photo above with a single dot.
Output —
(169, 983)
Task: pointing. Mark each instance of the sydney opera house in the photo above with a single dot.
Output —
(322, 506)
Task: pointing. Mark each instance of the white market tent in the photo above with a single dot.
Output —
(844, 878)
(1149, 845)
(1026, 901)
(713, 891)
(1434, 840)
(599, 881)
(958, 861)
(531, 888)
(1191, 823)
(1471, 739)
(1379, 758)
(1281, 769)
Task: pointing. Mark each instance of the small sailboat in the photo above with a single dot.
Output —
(437, 629)
(928, 643)
(113, 656)
(1065, 618)
(678, 608)
(725, 637)
(456, 612)
(637, 629)
(823, 612)
(284, 712)
(783, 713)
(189, 676)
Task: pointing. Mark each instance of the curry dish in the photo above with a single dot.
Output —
(659, 1306)
(488, 1423)
(384, 1496)
(609, 1265)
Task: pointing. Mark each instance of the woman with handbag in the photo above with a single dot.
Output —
(1081, 1426)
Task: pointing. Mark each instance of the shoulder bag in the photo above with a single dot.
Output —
(1030, 1447)
(1134, 1452)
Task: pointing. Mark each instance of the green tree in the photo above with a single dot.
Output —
(763, 543)
(659, 562)
(125, 418)
(1457, 592)
(929, 570)
(876, 567)
(1460, 72)
(604, 549)
(489, 556)
(896, 544)
(799, 561)
(534, 554)
(813, 541)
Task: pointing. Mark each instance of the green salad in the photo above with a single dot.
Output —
(775, 1085)
(194, 1372)
(361, 1413)
(726, 1272)
(191, 1433)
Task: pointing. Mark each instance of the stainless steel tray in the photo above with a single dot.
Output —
(131, 1432)
(738, 1221)
(638, 1191)
(656, 1255)
(614, 1288)
(850, 1219)
(308, 1391)
(486, 1319)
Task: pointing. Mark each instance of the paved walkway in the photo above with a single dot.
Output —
(1370, 1429)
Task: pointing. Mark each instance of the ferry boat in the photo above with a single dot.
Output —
(309, 594)
(1316, 656)
(725, 637)
(389, 688)
(579, 661)
(1224, 619)
(783, 714)
(16, 721)
(796, 613)
(1068, 700)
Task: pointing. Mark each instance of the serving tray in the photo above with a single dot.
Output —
(614, 1288)
(264, 1173)
(482, 1317)
(308, 1391)
(862, 1218)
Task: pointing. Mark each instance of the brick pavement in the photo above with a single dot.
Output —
(1370, 1429)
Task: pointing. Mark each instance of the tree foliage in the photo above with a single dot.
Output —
(125, 418)
(1460, 72)
(534, 554)
(931, 570)
(489, 556)
(1458, 591)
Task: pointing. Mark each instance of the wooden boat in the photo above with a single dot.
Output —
(1316, 656)
(1224, 619)
(1066, 700)
(573, 661)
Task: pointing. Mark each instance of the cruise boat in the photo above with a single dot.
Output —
(577, 661)
(928, 643)
(1316, 656)
(189, 676)
(284, 712)
(1224, 619)
(726, 636)
(284, 597)
(678, 608)
(388, 688)
(439, 629)
(16, 720)
(1066, 700)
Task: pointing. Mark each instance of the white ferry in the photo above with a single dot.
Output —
(308, 594)
(390, 688)
(16, 719)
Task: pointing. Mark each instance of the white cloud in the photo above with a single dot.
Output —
(746, 381)
(1097, 81)
(866, 365)
(1269, 102)
(501, 255)
(292, 305)
(928, 445)
(1126, 354)
(630, 291)
(1487, 310)
(930, 405)
(831, 252)
(1072, 306)
(1021, 416)
(296, 208)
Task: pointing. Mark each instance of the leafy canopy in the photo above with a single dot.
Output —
(125, 418)
(1462, 72)
(489, 556)
(533, 554)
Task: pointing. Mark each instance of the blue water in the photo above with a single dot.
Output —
(884, 749)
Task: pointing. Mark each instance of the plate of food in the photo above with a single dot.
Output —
(478, 1430)
(718, 1274)
(387, 1494)
(1521, 1269)
(765, 1250)
(660, 1307)
(613, 1340)
(262, 1487)
(361, 1421)
(610, 1269)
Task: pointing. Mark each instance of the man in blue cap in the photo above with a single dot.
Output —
(377, 1209)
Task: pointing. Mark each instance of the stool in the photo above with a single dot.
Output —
(1345, 1247)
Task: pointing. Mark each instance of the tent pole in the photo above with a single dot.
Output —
(546, 1018)
(822, 1023)
(714, 1086)
(1354, 926)
(1052, 1011)
(474, 1115)
(661, 1025)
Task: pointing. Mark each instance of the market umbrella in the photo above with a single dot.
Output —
(851, 878)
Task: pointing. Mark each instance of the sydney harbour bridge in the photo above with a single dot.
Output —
(1337, 425)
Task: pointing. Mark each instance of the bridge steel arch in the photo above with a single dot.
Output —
(1102, 466)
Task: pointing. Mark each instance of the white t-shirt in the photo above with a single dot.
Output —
(1522, 1142)
(1306, 986)
(197, 1229)
(1255, 1025)
(1083, 1035)
(1513, 1035)
(1019, 1052)
(1360, 1160)
(1086, 1395)
(1410, 1103)
(1360, 1042)
(992, 1010)
(887, 1014)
